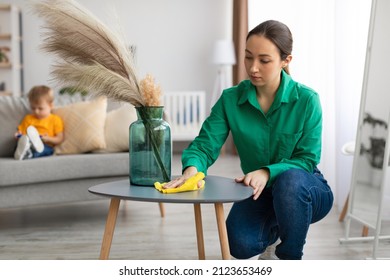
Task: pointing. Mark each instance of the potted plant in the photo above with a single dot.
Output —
(73, 92)
(3, 55)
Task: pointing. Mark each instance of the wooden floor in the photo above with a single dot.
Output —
(74, 231)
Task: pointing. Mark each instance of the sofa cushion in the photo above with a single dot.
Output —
(116, 129)
(12, 111)
(83, 126)
(64, 167)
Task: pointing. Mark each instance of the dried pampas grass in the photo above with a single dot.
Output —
(151, 92)
(92, 57)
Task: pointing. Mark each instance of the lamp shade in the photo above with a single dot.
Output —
(223, 53)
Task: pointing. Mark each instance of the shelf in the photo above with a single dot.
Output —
(5, 7)
(11, 68)
(5, 93)
(5, 36)
(5, 65)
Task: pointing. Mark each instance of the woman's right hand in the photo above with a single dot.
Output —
(177, 182)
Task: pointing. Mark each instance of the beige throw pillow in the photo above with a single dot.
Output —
(83, 126)
(116, 129)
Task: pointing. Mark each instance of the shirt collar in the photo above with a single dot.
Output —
(287, 91)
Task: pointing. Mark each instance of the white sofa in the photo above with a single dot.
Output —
(54, 179)
(66, 178)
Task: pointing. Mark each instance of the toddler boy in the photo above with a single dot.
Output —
(41, 130)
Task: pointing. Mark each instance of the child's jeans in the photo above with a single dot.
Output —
(47, 151)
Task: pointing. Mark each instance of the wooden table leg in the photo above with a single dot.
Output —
(344, 211)
(162, 209)
(199, 231)
(223, 238)
(109, 229)
(365, 231)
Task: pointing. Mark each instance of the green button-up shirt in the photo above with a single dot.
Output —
(288, 136)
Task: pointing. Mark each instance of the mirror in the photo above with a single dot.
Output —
(369, 171)
(369, 167)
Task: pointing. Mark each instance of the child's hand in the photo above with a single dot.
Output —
(45, 138)
(17, 134)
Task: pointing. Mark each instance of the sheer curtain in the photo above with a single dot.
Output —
(312, 26)
(240, 30)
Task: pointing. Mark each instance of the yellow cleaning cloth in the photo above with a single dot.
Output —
(190, 185)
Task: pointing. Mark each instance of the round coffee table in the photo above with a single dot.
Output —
(217, 190)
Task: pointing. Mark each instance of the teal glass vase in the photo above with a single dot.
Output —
(150, 147)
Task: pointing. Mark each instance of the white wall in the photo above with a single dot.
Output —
(352, 22)
(174, 39)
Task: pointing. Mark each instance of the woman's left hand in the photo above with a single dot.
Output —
(257, 180)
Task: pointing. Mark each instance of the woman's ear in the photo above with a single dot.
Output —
(287, 61)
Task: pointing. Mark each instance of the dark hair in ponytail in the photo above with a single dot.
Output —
(279, 34)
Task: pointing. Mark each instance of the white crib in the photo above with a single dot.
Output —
(185, 111)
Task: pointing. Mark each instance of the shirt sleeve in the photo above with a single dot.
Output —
(307, 152)
(58, 125)
(205, 149)
(22, 127)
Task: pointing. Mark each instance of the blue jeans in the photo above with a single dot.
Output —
(284, 210)
(47, 151)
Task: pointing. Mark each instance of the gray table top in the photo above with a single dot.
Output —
(217, 189)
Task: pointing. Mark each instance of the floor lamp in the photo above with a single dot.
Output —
(223, 56)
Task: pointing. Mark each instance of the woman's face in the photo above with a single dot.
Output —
(262, 61)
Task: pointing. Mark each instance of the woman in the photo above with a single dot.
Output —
(276, 124)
